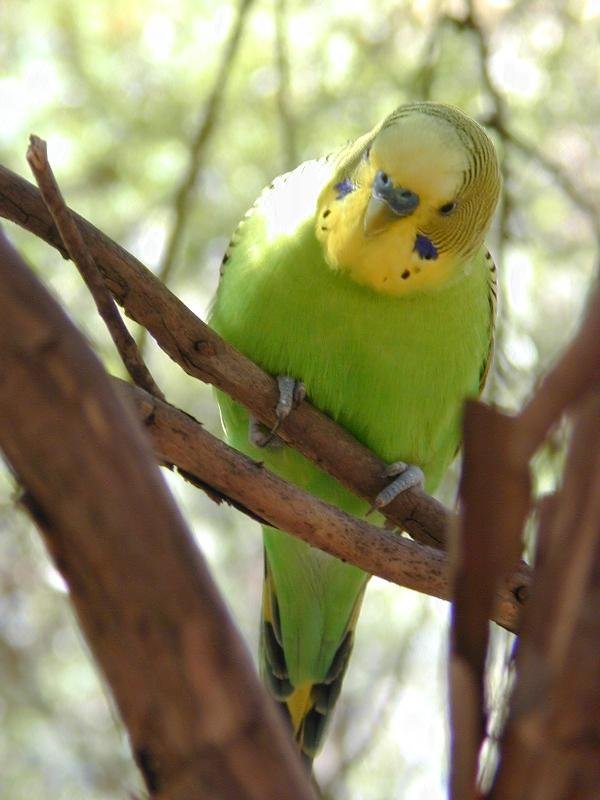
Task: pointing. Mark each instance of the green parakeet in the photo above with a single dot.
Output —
(364, 276)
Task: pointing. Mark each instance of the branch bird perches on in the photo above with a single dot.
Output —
(201, 353)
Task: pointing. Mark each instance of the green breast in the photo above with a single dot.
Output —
(393, 371)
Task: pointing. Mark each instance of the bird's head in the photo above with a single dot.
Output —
(411, 201)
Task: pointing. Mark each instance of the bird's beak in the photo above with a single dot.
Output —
(387, 204)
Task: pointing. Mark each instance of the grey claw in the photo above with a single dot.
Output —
(291, 393)
(260, 436)
(408, 476)
(395, 468)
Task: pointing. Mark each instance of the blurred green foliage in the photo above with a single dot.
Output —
(118, 90)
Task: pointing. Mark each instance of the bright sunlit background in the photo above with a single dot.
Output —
(119, 90)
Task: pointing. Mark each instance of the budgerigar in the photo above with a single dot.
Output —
(363, 276)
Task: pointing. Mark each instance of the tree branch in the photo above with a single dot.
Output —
(499, 121)
(179, 439)
(495, 495)
(205, 127)
(495, 500)
(37, 157)
(203, 354)
(199, 721)
(575, 374)
(551, 744)
(284, 105)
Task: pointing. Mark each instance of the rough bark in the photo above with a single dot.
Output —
(551, 744)
(200, 724)
(180, 440)
(550, 747)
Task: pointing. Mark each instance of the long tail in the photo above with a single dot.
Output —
(307, 707)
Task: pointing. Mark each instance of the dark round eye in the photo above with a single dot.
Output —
(383, 178)
(447, 208)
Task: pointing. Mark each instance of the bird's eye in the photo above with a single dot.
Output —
(447, 208)
(383, 178)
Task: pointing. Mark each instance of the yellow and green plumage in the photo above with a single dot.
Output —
(363, 275)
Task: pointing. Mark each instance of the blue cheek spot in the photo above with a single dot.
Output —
(425, 248)
(343, 188)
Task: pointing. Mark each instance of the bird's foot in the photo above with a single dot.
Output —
(291, 394)
(260, 436)
(406, 477)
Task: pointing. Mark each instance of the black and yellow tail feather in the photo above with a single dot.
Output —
(307, 707)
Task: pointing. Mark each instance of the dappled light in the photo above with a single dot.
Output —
(164, 122)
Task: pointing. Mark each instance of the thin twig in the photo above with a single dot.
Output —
(559, 177)
(499, 121)
(576, 373)
(205, 126)
(37, 156)
(429, 54)
(284, 105)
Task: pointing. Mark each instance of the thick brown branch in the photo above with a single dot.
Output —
(199, 722)
(179, 439)
(551, 745)
(38, 160)
(203, 354)
(495, 497)
(495, 500)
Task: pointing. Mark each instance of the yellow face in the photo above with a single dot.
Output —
(410, 202)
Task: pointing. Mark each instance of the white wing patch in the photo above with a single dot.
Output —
(292, 198)
(289, 200)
